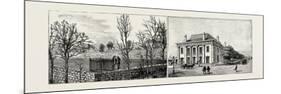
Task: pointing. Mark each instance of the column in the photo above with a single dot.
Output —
(190, 54)
(197, 57)
(179, 52)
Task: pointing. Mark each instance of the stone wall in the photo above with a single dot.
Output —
(73, 76)
(155, 71)
(140, 73)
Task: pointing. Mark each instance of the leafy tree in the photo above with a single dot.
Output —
(70, 42)
(102, 46)
(126, 46)
(110, 45)
(230, 53)
(90, 46)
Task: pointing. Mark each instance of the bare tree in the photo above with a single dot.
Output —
(152, 31)
(70, 42)
(126, 46)
(144, 45)
(162, 37)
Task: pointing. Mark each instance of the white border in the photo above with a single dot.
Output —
(36, 46)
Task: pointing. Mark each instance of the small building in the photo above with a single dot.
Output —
(200, 49)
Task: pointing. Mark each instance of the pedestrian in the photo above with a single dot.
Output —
(208, 70)
(204, 70)
(236, 68)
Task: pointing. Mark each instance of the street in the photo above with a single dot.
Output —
(215, 70)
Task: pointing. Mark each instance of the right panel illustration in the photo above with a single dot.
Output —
(208, 46)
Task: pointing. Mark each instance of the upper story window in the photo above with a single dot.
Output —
(194, 51)
(200, 51)
(181, 50)
(207, 49)
(188, 51)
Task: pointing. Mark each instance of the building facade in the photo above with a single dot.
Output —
(200, 49)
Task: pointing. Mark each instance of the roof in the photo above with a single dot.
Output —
(199, 37)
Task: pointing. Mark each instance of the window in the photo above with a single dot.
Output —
(200, 59)
(181, 50)
(208, 48)
(188, 51)
(181, 60)
(194, 51)
(200, 51)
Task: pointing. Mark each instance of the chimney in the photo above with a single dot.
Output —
(203, 36)
(185, 37)
(218, 38)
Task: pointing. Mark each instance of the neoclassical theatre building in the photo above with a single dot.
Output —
(200, 49)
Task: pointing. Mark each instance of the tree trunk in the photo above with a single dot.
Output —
(151, 58)
(146, 60)
(173, 68)
(151, 61)
(163, 55)
(80, 74)
(51, 77)
(66, 70)
(128, 61)
(128, 64)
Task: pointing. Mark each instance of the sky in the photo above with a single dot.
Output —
(100, 27)
(236, 33)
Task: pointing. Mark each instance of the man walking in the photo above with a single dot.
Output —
(208, 70)
(236, 68)
(204, 70)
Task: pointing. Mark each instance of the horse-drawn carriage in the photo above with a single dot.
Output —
(188, 66)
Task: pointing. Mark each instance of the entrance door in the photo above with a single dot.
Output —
(181, 60)
(207, 59)
(193, 61)
(188, 60)
(200, 59)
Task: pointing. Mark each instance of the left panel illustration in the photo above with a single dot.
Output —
(93, 47)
